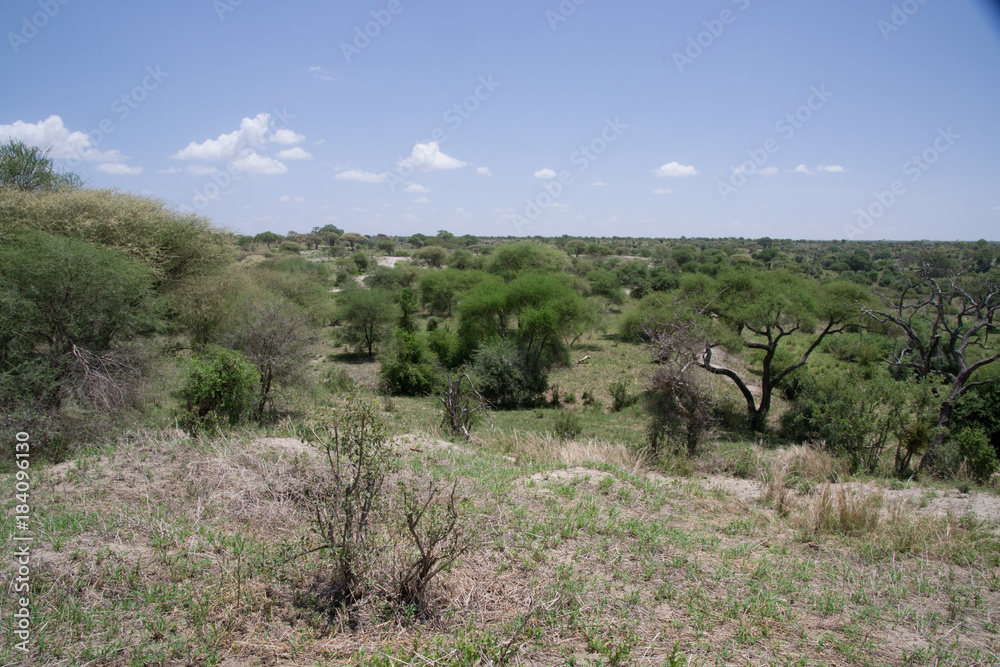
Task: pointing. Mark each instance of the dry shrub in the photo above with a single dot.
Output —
(547, 449)
(844, 511)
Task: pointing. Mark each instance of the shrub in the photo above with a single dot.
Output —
(350, 501)
(621, 398)
(276, 336)
(221, 384)
(567, 425)
(979, 455)
(679, 404)
(407, 369)
(503, 378)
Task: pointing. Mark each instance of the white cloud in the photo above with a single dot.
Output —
(200, 169)
(421, 200)
(802, 169)
(319, 142)
(286, 137)
(170, 170)
(546, 174)
(766, 171)
(428, 157)
(321, 74)
(416, 188)
(360, 176)
(253, 163)
(285, 199)
(296, 153)
(663, 191)
(63, 144)
(832, 169)
(598, 184)
(676, 170)
(120, 169)
(484, 171)
(252, 132)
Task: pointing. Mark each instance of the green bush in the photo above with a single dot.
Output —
(221, 384)
(978, 453)
(408, 370)
(567, 425)
(503, 378)
(621, 398)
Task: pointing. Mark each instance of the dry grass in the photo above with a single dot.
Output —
(550, 450)
(171, 551)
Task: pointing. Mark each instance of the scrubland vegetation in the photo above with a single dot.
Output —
(322, 447)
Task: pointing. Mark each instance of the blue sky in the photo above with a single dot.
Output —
(864, 119)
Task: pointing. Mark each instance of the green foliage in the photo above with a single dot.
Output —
(29, 168)
(434, 255)
(856, 415)
(361, 260)
(444, 343)
(276, 336)
(621, 396)
(304, 283)
(172, 244)
(503, 378)
(368, 318)
(604, 283)
(407, 369)
(650, 310)
(60, 292)
(440, 291)
(513, 259)
(547, 310)
(567, 425)
(978, 453)
(221, 384)
(980, 408)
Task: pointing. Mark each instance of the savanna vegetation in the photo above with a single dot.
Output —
(328, 447)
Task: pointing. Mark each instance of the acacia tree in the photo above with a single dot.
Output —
(30, 168)
(755, 311)
(945, 319)
(368, 317)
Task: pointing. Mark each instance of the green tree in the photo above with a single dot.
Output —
(67, 293)
(29, 168)
(512, 259)
(276, 336)
(220, 383)
(368, 317)
(174, 245)
(268, 238)
(434, 255)
(353, 238)
(757, 312)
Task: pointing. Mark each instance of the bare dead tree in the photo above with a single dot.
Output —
(105, 382)
(945, 321)
(678, 400)
(460, 407)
